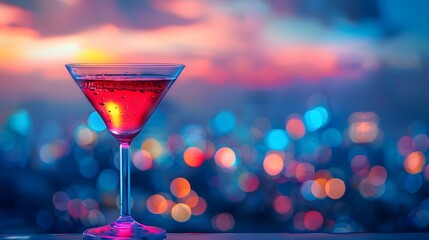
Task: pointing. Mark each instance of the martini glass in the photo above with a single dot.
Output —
(125, 95)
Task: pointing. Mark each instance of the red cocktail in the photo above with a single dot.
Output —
(125, 95)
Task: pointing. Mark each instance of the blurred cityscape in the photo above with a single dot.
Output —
(290, 116)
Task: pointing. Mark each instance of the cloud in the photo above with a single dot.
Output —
(65, 17)
(238, 42)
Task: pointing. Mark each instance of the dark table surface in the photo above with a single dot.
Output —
(246, 236)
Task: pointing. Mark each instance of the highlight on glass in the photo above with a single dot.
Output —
(125, 96)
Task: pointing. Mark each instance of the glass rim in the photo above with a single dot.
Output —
(83, 65)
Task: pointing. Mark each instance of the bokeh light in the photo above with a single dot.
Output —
(248, 182)
(318, 187)
(200, 208)
(193, 157)
(156, 204)
(369, 190)
(95, 122)
(316, 118)
(224, 121)
(50, 153)
(298, 221)
(335, 188)
(304, 171)
(96, 217)
(295, 127)
(277, 139)
(306, 190)
(84, 136)
(360, 164)
(421, 142)
(377, 175)
(76, 208)
(191, 199)
(181, 212)
(405, 145)
(180, 187)
(20, 122)
(283, 204)
(273, 164)
(223, 222)
(313, 220)
(363, 127)
(60, 200)
(153, 147)
(142, 160)
(226, 158)
(414, 162)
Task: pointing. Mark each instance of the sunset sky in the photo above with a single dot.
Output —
(249, 44)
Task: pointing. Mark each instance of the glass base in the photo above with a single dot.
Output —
(125, 228)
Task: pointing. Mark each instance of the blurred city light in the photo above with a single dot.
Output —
(273, 164)
(95, 122)
(180, 187)
(226, 158)
(363, 127)
(292, 116)
(193, 157)
(316, 118)
(276, 139)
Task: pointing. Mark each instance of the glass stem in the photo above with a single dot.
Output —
(125, 179)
